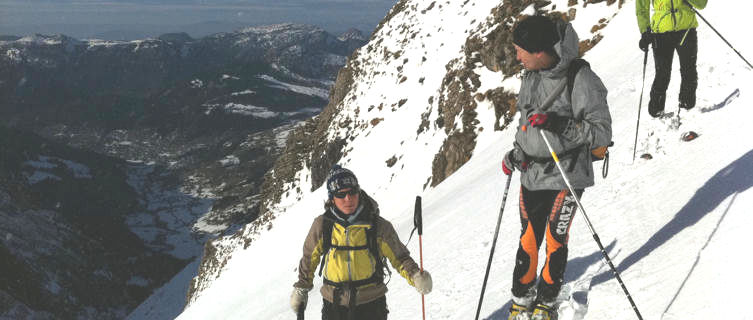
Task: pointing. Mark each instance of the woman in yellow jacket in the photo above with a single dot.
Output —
(352, 263)
(670, 29)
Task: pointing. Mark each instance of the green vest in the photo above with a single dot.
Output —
(669, 15)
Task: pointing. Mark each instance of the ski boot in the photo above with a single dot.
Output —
(519, 312)
(543, 312)
(523, 305)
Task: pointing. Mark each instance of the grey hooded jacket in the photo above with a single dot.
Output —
(591, 124)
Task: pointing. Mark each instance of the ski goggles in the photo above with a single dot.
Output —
(342, 194)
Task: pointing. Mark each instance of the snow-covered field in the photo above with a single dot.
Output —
(672, 225)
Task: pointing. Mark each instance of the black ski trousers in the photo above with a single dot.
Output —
(374, 310)
(664, 47)
(543, 213)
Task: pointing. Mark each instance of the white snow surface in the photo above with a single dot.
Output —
(669, 224)
(79, 171)
(310, 91)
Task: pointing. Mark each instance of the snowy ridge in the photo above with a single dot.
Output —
(667, 223)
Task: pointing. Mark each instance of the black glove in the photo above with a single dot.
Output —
(646, 39)
(549, 121)
(514, 159)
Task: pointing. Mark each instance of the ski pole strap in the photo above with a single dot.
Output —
(605, 166)
(411, 235)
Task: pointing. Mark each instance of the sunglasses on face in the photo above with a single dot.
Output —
(342, 194)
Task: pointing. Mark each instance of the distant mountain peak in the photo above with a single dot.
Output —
(353, 34)
(280, 28)
(44, 39)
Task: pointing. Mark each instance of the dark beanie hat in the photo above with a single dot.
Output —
(535, 34)
(340, 178)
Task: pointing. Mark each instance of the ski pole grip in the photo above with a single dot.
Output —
(417, 221)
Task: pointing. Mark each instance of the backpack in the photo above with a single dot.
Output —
(601, 152)
(371, 245)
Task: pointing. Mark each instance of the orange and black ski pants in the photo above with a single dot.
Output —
(543, 213)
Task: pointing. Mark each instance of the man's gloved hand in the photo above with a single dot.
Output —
(422, 281)
(298, 299)
(549, 121)
(646, 39)
(514, 159)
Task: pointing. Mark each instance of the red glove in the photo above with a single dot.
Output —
(549, 121)
(538, 119)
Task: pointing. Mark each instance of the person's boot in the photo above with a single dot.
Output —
(519, 312)
(522, 306)
(543, 312)
(687, 100)
(656, 105)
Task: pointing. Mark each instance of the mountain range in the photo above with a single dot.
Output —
(121, 158)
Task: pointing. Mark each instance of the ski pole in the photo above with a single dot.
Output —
(590, 226)
(640, 102)
(300, 312)
(719, 34)
(494, 243)
(418, 223)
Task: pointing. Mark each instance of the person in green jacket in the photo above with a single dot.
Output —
(670, 29)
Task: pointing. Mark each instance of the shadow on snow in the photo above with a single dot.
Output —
(734, 178)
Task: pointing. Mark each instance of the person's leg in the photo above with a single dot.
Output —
(374, 310)
(332, 312)
(533, 218)
(563, 209)
(664, 49)
(688, 54)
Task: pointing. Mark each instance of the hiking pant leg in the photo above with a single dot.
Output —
(534, 210)
(563, 208)
(332, 311)
(688, 54)
(374, 310)
(664, 49)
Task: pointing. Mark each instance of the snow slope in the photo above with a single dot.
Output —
(669, 224)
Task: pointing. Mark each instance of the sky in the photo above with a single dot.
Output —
(138, 19)
(672, 225)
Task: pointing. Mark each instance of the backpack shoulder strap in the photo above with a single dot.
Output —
(373, 243)
(327, 225)
(572, 71)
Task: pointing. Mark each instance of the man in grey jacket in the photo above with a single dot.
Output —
(574, 124)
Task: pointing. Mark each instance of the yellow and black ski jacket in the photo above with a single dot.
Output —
(349, 260)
